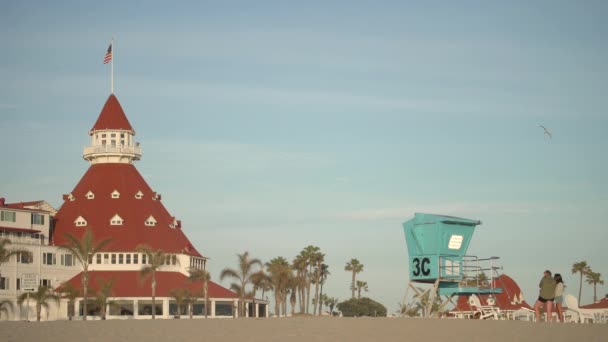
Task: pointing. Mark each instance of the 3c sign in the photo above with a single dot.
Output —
(421, 266)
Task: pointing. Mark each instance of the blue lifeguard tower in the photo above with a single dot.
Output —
(437, 250)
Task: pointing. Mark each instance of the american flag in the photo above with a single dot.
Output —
(108, 56)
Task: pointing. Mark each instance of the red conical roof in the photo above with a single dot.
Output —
(112, 116)
(102, 180)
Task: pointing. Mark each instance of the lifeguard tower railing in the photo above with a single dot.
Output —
(437, 249)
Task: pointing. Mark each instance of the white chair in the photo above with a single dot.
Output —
(572, 304)
(485, 311)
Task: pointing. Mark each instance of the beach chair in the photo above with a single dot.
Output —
(485, 311)
(572, 304)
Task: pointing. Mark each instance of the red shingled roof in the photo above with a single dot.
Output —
(112, 116)
(510, 299)
(102, 180)
(130, 284)
(602, 304)
(23, 206)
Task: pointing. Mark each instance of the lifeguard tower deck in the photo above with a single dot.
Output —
(437, 249)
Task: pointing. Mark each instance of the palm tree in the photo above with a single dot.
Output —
(242, 275)
(155, 258)
(355, 267)
(582, 268)
(204, 276)
(5, 253)
(83, 250)
(594, 278)
(6, 306)
(317, 260)
(260, 281)
(42, 297)
(310, 254)
(102, 296)
(181, 298)
(324, 274)
(71, 293)
(279, 271)
(361, 285)
(331, 303)
(300, 264)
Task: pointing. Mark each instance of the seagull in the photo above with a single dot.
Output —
(547, 132)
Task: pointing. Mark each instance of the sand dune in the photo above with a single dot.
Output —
(301, 329)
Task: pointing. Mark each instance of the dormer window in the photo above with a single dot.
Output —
(115, 194)
(116, 220)
(80, 222)
(139, 195)
(176, 223)
(156, 196)
(69, 197)
(151, 221)
(90, 195)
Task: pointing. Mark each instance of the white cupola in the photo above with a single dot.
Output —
(112, 137)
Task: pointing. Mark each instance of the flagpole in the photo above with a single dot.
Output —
(112, 68)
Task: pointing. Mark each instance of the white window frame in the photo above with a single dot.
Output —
(64, 260)
(4, 216)
(116, 220)
(139, 195)
(48, 255)
(151, 221)
(115, 194)
(36, 217)
(90, 195)
(80, 222)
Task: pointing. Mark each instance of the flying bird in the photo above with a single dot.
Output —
(547, 132)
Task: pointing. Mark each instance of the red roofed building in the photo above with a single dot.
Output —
(511, 299)
(602, 304)
(114, 201)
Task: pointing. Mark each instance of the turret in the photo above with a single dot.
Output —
(112, 137)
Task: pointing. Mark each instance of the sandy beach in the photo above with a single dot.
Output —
(300, 329)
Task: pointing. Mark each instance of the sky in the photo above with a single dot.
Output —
(269, 126)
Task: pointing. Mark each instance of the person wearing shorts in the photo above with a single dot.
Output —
(546, 296)
(559, 296)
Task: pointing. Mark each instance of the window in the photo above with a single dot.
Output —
(99, 259)
(173, 259)
(113, 142)
(113, 258)
(122, 135)
(67, 260)
(18, 284)
(168, 260)
(128, 259)
(113, 135)
(122, 142)
(151, 221)
(139, 195)
(143, 259)
(3, 283)
(25, 257)
(135, 257)
(103, 135)
(103, 142)
(49, 259)
(80, 222)
(8, 216)
(90, 259)
(115, 194)
(46, 283)
(90, 195)
(116, 220)
(121, 258)
(106, 258)
(37, 219)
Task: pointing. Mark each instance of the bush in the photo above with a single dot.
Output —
(361, 307)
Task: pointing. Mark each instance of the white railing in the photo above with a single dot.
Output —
(112, 149)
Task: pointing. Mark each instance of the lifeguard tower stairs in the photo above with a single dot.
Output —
(437, 249)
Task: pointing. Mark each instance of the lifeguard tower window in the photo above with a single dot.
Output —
(455, 242)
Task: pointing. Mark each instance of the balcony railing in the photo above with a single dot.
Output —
(112, 149)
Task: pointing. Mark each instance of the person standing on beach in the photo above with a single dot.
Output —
(546, 296)
(559, 299)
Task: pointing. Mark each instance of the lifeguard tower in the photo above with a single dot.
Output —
(437, 249)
